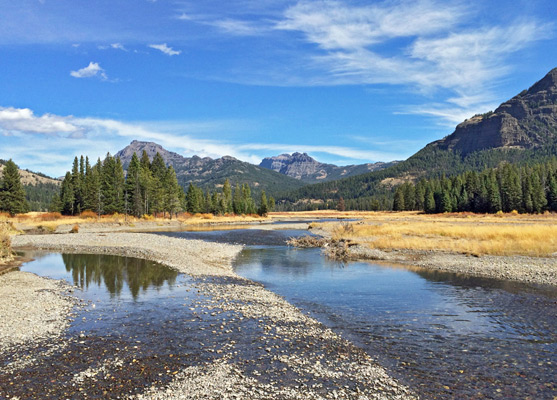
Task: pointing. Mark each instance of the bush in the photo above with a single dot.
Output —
(49, 216)
(88, 214)
(75, 229)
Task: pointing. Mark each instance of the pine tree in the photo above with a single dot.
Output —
(67, 195)
(238, 204)
(552, 193)
(227, 193)
(172, 192)
(263, 206)
(12, 193)
(55, 204)
(429, 200)
(398, 202)
(271, 204)
(146, 182)
(134, 202)
(158, 172)
(539, 200)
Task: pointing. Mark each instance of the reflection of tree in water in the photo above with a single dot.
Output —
(115, 271)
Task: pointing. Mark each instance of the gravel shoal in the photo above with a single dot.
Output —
(537, 270)
(268, 348)
(32, 309)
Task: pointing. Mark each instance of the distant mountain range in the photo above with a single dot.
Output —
(209, 173)
(523, 129)
(305, 168)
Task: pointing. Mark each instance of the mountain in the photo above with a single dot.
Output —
(521, 130)
(39, 188)
(209, 173)
(305, 168)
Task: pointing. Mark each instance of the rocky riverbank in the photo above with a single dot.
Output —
(263, 346)
(537, 270)
(32, 309)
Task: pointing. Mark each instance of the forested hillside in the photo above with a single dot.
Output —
(522, 130)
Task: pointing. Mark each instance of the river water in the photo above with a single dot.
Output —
(444, 335)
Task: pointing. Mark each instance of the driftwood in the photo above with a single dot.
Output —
(332, 248)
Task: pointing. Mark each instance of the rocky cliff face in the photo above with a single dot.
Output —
(305, 168)
(528, 120)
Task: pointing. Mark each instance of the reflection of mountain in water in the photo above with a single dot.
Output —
(114, 272)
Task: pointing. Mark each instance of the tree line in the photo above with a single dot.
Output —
(12, 193)
(148, 188)
(509, 187)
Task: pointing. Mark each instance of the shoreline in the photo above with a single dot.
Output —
(330, 359)
(524, 269)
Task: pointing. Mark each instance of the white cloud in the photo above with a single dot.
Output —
(90, 71)
(432, 46)
(116, 46)
(184, 17)
(24, 120)
(165, 49)
(237, 27)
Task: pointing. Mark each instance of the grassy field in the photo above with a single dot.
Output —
(476, 234)
(49, 222)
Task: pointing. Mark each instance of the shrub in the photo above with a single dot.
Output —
(75, 229)
(88, 214)
(148, 217)
(49, 216)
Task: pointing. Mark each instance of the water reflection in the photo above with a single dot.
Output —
(115, 273)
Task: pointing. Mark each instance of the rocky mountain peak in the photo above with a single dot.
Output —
(526, 121)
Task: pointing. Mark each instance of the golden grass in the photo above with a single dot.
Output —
(51, 221)
(508, 234)
(5, 242)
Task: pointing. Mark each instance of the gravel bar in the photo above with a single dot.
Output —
(293, 356)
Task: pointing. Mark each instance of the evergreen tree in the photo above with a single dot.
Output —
(429, 200)
(227, 193)
(55, 204)
(398, 202)
(134, 202)
(238, 204)
(271, 204)
(445, 202)
(172, 192)
(67, 198)
(12, 193)
(263, 206)
(552, 193)
(539, 200)
(158, 172)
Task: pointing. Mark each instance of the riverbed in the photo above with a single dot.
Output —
(442, 335)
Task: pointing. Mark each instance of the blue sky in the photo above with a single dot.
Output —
(345, 81)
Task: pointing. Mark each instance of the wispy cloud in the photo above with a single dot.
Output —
(116, 46)
(238, 27)
(90, 71)
(169, 51)
(432, 46)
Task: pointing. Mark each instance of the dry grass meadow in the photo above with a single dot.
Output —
(476, 234)
(49, 222)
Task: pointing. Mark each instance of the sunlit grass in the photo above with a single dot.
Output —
(508, 234)
(5, 242)
(49, 221)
